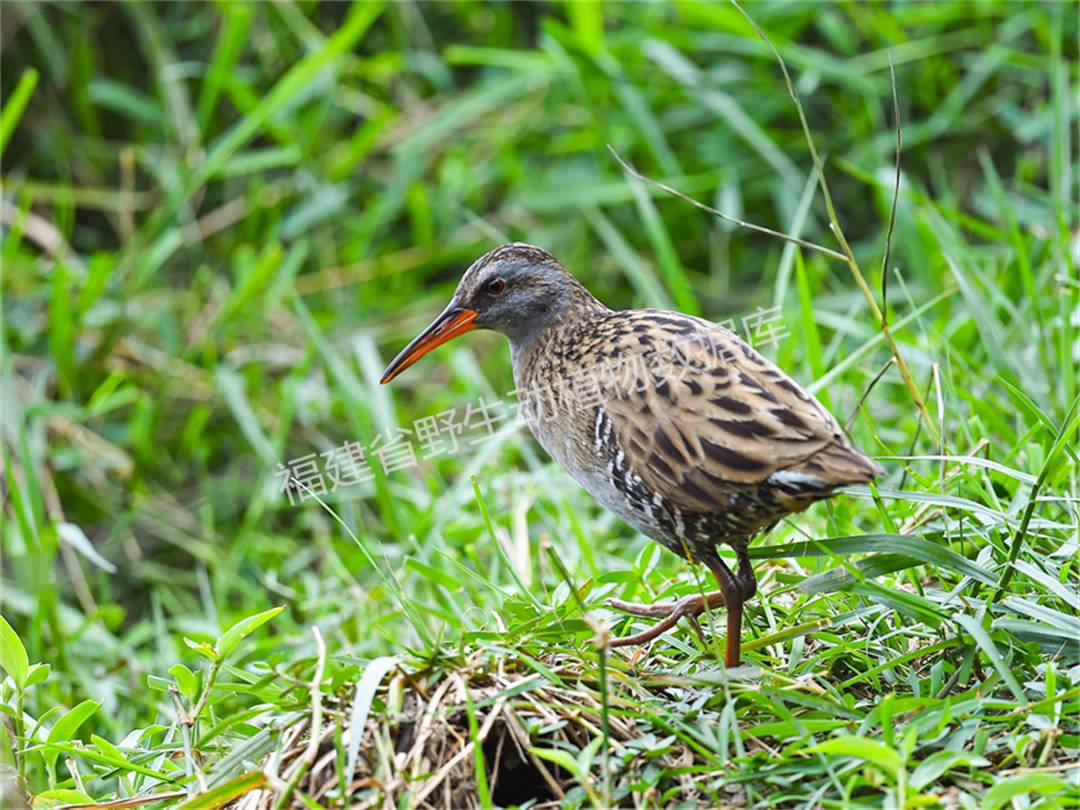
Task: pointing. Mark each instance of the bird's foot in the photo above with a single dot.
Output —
(670, 612)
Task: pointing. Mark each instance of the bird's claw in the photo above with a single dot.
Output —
(670, 612)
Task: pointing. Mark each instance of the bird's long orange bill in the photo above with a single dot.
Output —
(453, 321)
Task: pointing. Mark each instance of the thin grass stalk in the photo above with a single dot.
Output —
(896, 195)
(186, 723)
(834, 224)
(525, 591)
(483, 788)
(721, 215)
(1072, 421)
(315, 732)
(605, 724)
(18, 742)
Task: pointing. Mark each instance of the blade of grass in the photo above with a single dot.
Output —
(15, 104)
(236, 23)
(522, 589)
(983, 640)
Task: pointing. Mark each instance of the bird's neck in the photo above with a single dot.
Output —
(560, 322)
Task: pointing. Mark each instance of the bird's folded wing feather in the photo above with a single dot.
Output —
(699, 414)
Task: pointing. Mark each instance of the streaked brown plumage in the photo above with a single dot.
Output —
(672, 422)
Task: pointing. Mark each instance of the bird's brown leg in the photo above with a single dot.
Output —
(734, 590)
(731, 588)
(745, 573)
(670, 611)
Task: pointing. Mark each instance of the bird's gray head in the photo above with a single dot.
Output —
(516, 289)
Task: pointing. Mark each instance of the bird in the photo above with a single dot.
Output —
(674, 423)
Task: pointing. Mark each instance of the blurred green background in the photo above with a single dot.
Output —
(221, 220)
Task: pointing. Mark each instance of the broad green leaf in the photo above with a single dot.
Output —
(564, 759)
(239, 631)
(64, 728)
(839, 579)
(236, 22)
(225, 793)
(910, 604)
(894, 544)
(54, 799)
(38, 673)
(789, 728)
(203, 648)
(587, 20)
(158, 683)
(931, 768)
(528, 61)
(1053, 641)
(13, 655)
(866, 749)
(789, 632)
(112, 759)
(122, 99)
(1003, 792)
(588, 753)
(185, 679)
(1068, 625)
(109, 750)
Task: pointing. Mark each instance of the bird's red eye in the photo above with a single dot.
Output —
(495, 286)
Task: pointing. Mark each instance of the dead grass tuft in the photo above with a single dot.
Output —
(422, 754)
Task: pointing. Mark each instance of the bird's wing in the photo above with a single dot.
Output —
(698, 414)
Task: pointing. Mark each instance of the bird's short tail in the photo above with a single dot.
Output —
(837, 465)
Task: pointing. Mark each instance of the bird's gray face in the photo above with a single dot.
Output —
(515, 289)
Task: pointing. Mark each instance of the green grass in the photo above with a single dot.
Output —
(221, 221)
